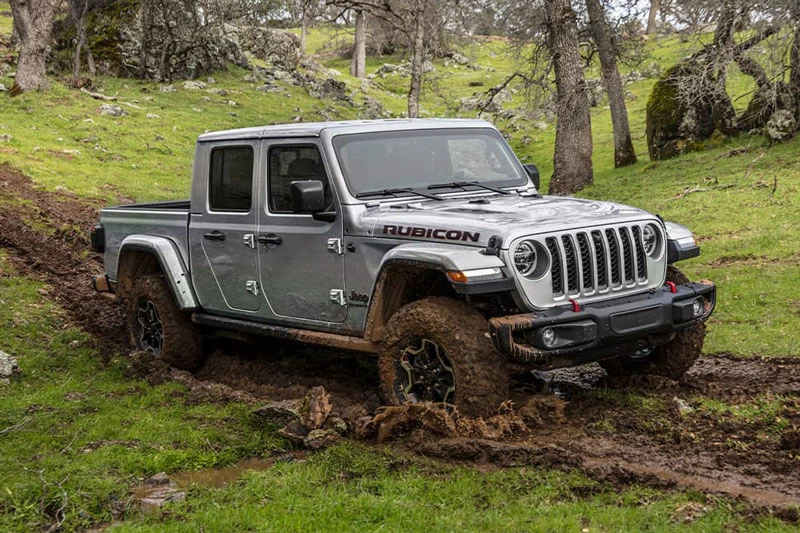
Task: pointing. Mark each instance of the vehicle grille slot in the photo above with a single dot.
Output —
(627, 251)
(641, 259)
(572, 263)
(586, 262)
(602, 263)
(555, 269)
(613, 257)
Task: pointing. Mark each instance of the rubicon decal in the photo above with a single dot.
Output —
(431, 233)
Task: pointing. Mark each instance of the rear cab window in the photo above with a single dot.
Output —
(230, 183)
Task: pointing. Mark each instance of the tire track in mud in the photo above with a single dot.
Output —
(613, 442)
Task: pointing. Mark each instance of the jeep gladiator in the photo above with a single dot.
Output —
(424, 242)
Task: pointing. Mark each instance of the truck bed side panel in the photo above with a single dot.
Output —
(120, 222)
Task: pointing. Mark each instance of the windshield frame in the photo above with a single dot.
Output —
(522, 180)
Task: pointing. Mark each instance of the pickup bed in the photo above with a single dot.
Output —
(424, 242)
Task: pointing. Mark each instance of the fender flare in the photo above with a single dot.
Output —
(445, 257)
(171, 265)
(680, 243)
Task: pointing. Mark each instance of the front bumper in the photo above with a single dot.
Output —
(604, 329)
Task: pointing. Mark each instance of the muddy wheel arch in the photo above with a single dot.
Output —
(400, 283)
(142, 255)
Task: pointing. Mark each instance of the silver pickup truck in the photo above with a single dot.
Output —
(424, 242)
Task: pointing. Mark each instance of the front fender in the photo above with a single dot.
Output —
(680, 243)
(171, 265)
(494, 277)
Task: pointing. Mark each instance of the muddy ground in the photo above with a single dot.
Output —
(660, 436)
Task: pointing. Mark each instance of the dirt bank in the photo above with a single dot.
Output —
(47, 235)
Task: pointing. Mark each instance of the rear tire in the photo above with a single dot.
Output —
(157, 325)
(439, 350)
(672, 360)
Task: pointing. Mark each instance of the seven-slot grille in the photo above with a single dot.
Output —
(584, 262)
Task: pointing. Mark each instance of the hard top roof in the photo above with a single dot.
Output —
(313, 129)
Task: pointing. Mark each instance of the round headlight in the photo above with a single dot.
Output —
(651, 239)
(525, 257)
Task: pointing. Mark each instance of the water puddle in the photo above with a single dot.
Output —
(729, 487)
(160, 489)
(217, 478)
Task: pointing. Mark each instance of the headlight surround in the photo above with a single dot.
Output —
(531, 259)
(652, 240)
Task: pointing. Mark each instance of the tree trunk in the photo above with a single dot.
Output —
(14, 32)
(794, 67)
(572, 161)
(624, 153)
(34, 22)
(304, 34)
(359, 59)
(417, 59)
(655, 5)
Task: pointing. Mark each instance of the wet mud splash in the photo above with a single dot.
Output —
(653, 432)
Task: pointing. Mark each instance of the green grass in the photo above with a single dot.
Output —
(87, 436)
(87, 430)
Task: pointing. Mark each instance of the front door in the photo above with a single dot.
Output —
(301, 260)
(222, 233)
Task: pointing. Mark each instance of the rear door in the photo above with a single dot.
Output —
(301, 259)
(222, 231)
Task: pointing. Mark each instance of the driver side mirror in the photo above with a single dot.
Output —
(533, 172)
(308, 196)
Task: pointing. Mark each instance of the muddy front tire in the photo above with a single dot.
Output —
(157, 325)
(439, 350)
(671, 360)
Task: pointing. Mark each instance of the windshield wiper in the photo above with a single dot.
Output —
(395, 192)
(463, 184)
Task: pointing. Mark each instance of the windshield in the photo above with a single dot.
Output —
(419, 158)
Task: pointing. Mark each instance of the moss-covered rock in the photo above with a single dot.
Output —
(684, 108)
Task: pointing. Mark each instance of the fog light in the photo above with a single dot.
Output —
(698, 306)
(548, 337)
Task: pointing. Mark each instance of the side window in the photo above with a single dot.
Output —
(231, 180)
(293, 163)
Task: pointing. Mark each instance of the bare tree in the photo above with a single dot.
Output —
(33, 20)
(655, 5)
(419, 21)
(78, 10)
(624, 153)
(358, 61)
(417, 58)
(572, 160)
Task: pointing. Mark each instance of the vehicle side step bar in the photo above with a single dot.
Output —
(319, 338)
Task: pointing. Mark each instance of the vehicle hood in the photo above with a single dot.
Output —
(474, 220)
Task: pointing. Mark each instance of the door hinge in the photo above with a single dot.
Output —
(335, 246)
(252, 287)
(249, 240)
(337, 296)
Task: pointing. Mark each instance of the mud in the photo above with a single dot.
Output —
(567, 419)
(48, 237)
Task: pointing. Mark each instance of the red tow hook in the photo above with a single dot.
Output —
(672, 287)
(576, 307)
